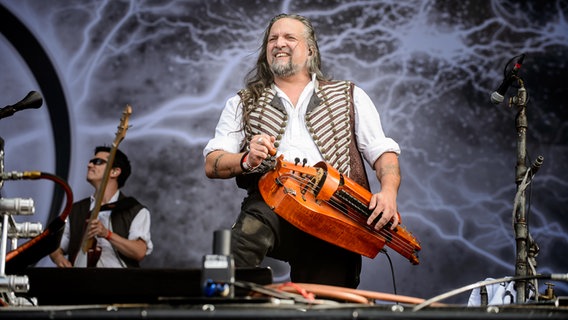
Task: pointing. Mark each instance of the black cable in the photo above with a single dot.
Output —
(392, 270)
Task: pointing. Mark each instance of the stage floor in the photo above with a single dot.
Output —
(277, 310)
(96, 293)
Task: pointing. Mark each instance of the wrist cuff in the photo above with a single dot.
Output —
(244, 164)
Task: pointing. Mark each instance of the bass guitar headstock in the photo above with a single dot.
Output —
(123, 126)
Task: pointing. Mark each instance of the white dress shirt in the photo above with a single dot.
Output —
(296, 141)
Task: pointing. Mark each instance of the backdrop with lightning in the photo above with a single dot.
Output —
(430, 66)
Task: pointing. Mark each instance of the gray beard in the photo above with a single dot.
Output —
(284, 69)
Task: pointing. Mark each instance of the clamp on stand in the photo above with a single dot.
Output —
(12, 284)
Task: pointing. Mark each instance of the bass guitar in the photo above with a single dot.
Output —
(89, 248)
(326, 204)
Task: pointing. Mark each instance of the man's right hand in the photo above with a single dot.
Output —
(261, 147)
(59, 259)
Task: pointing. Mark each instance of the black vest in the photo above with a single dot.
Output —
(123, 212)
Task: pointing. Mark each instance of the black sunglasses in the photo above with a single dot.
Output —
(97, 161)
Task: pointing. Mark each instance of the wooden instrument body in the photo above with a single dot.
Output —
(320, 201)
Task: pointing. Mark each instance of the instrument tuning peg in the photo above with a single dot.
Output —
(296, 161)
(304, 162)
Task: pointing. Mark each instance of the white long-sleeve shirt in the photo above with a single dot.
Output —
(296, 141)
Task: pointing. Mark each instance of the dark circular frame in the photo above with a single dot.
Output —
(48, 80)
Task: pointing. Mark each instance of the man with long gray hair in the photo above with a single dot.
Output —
(290, 108)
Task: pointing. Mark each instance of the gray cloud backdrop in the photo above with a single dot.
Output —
(430, 67)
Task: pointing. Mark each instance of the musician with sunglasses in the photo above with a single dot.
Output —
(290, 108)
(122, 228)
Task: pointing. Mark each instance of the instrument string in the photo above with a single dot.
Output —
(357, 215)
(392, 239)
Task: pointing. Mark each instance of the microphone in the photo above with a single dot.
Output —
(32, 101)
(499, 95)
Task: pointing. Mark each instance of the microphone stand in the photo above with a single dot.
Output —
(526, 247)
